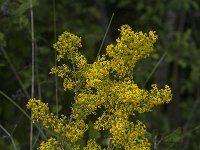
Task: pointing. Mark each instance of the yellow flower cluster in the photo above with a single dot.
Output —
(38, 108)
(92, 145)
(66, 45)
(61, 71)
(72, 130)
(133, 135)
(51, 144)
(131, 46)
(106, 84)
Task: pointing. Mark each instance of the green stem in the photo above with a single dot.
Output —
(24, 112)
(10, 136)
(105, 36)
(155, 67)
(55, 34)
(12, 67)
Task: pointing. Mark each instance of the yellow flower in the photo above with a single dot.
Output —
(92, 145)
(73, 131)
(67, 44)
(106, 84)
(51, 144)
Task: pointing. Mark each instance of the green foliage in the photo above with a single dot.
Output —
(175, 21)
(25, 6)
(2, 40)
(173, 138)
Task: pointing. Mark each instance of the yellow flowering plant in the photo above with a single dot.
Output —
(106, 84)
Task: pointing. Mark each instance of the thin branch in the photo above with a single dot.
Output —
(74, 69)
(10, 136)
(36, 139)
(16, 123)
(15, 72)
(155, 146)
(55, 35)
(33, 67)
(33, 50)
(37, 73)
(23, 111)
(105, 36)
(54, 20)
(190, 119)
(155, 67)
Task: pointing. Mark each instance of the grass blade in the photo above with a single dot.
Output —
(155, 67)
(10, 136)
(105, 35)
(23, 111)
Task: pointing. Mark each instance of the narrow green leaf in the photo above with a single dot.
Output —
(56, 108)
(174, 137)
(23, 111)
(93, 133)
(25, 6)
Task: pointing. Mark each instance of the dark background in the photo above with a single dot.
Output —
(173, 126)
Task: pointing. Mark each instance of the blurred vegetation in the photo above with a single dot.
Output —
(174, 126)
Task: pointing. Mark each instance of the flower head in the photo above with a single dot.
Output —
(106, 84)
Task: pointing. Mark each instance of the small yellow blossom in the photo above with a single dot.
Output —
(92, 145)
(51, 144)
(61, 71)
(67, 44)
(39, 109)
(73, 131)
